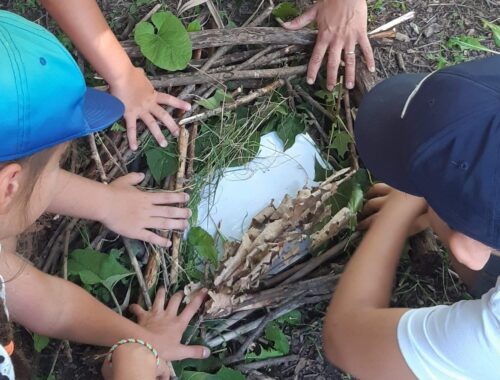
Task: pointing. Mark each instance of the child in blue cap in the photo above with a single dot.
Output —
(435, 140)
(44, 105)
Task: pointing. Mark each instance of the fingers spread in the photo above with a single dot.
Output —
(192, 308)
(167, 120)
(305, 19)
(366, 48)
(138, 311)
(332, 66)
(154, 128)
(170, 100)
(316, 58)
(165, 198)
(350, 64)
(192, 352)
(131, 131)
(174, 304)
(159, 302)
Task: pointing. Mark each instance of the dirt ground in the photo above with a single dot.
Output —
(420, 47)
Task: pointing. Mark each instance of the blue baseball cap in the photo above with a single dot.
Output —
(43, 97)
(438, 136)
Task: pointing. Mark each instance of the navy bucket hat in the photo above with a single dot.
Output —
(438, 137)
(43, 98)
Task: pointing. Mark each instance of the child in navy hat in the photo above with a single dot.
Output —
(435, 139)
(44, 105)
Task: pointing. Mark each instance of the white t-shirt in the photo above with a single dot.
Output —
(457, 342)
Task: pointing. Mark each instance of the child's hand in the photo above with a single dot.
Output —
(167, 326)
(132, 213)
(377, 198)
(131, 362)
(143, 102)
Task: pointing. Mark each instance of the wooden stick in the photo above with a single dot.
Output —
(187, 79)
(140, 278)
(97, 158)
(229, 106)
(348, 115)
(393, 23)
(179, 184)
(314, 103)
(267, 363)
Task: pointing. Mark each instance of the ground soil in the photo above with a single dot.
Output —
(422, 41)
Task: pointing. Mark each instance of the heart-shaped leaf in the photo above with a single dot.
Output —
(165, 42)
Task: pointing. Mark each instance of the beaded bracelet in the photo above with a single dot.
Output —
(132, 340)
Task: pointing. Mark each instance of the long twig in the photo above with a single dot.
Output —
(267, 363)
(97, 158)
(348, 115)
(188, 79)
(140, 278)
(229, 106)
(314, 103)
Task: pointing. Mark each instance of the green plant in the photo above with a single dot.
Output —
(286, 11)
(40, 342)
(495, 31)
(165, 41)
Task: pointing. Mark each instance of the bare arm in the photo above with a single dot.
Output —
(360, 333)
(84, 23)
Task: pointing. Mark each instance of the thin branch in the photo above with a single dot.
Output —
(140, 278)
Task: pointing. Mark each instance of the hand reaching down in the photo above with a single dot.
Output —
(376, 199)
(133, 213)
(342, 25)
(143, 102)
(167, 325)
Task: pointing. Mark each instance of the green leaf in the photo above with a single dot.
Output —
(194, 26)
(264, 354)
(356, 200)
(340, 143)
(286, 11)
(278, 337)
(40, 342)
(345, 191)
(289, 129)
(117, 127)
(495, 31)
(203, 244)
(165, 42)
(93, 267)
(215, 101)
(468, 43)
(223, 374)
(292, 318)
(162, 161)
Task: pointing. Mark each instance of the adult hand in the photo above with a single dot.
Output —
(342, 25)
(378, 198)
(142, 102)
(132, 213)
(167, 325)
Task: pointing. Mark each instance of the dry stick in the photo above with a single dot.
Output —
(110, 156)
(393, 23)
(249, 62)
(150, 273)
(48, 247)
(117, 152)
(256, 333)
(97, 158)
(230, 106)
(187, 79)
(308, 98)
(315, 262)
(55, 250)
(352, 147)
(138, 272)
(191, 151)
(267, 363)
(227, 59)
(242, 330)
(227, 323)
(179, 184)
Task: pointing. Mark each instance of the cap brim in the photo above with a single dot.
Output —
(381, 134)
(101, 109)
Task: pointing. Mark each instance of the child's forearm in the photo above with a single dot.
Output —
(80, 197)
(85, 25)
(59, 309)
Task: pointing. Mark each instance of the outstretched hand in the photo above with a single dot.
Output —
(167, 325)
(342, 25)
(143, 102)
(133, 213)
